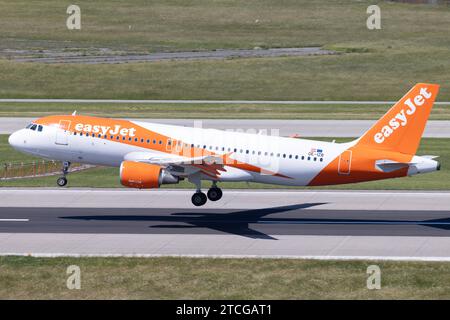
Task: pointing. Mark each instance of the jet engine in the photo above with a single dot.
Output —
(144, 176)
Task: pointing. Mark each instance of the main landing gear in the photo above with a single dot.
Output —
(199, 198)
(215, 193)
(62, 181)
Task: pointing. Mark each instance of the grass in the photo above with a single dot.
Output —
(187, 278)
(412, 46)
(173, 25)
(289, 78)
(205, 111)
(103, 177)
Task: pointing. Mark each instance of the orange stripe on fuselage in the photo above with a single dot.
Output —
(178, 147)
(362, 167)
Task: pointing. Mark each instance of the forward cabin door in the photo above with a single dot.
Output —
(63, 133)
(345, 162)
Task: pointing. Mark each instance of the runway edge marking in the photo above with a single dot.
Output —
(293, 257)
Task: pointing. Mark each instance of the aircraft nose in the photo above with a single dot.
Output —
(14, 140)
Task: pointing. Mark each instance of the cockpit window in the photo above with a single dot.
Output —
(33, 127)
(28, 126)
(40, 128)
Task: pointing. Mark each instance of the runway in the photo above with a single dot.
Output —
(271, 224)
(305, 128)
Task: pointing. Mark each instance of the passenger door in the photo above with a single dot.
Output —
(63, 133)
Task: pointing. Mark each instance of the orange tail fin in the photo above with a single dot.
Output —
(401, 128)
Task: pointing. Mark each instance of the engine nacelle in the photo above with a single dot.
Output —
(144, 176)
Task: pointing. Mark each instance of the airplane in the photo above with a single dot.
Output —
(150, 155)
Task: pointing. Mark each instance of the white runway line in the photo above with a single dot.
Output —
(229, 256)
(14, 220)
(207, 101)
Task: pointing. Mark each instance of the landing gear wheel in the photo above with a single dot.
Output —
(199, 199)
(62, 181)
(214, 194)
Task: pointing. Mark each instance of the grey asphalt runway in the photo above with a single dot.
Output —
(265, 223)
(292, 224)
(305, 128)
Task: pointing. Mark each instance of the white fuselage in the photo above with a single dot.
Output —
(296, 161)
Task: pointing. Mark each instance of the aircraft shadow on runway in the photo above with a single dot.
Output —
(238, 222)
(233, 223)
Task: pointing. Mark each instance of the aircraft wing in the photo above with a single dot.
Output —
(210, 165)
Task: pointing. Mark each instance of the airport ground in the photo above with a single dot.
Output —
(210, 111)
(371, 65)
(197, 278)
(149, 244)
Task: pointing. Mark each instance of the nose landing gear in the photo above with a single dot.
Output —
(62, 181)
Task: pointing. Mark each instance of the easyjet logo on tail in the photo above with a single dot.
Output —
(103, 130)
(401, 118)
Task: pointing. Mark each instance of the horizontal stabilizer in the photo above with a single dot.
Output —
(430, 157)
(389, 165)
